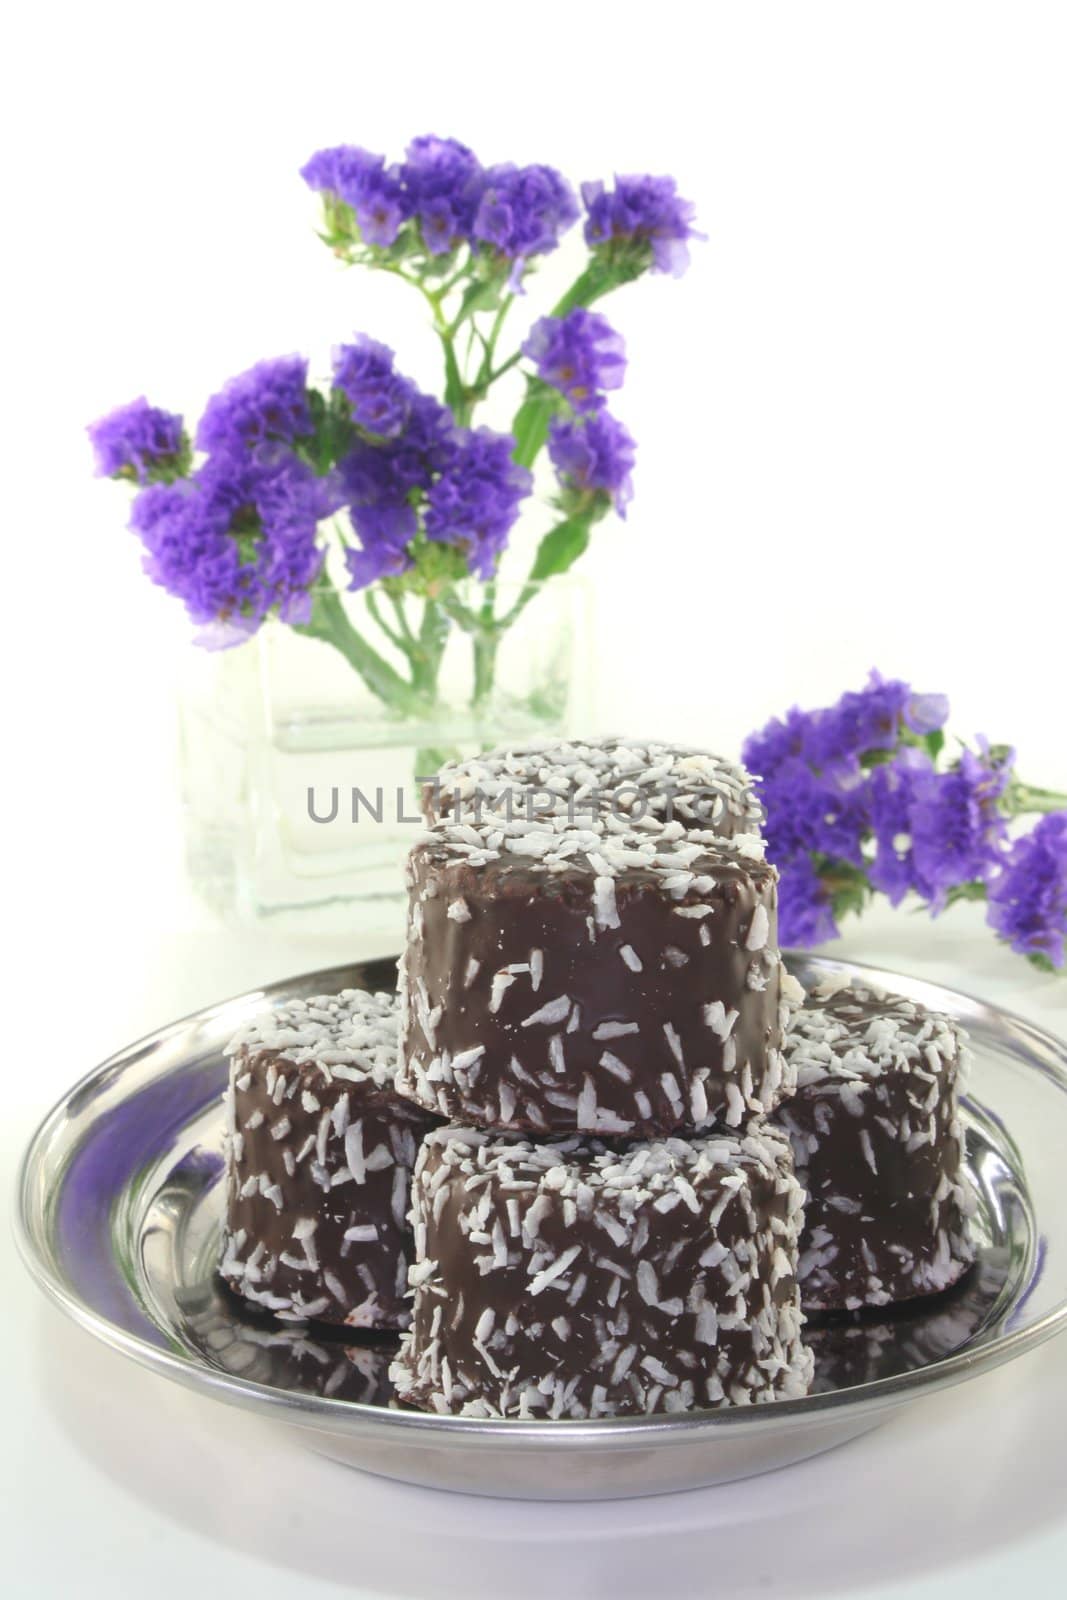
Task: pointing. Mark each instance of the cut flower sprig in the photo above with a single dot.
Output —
(871, 796)
(416, 499)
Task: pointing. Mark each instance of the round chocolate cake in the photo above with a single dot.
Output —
(879, 1147)
(599, 980)
(642, 782)
(319, 1154)
(571, 1280)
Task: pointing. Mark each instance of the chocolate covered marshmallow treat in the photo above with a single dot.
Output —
(647, 782)
(571, 1280)
(879, 1147)
(319, 1154)
(562, 979)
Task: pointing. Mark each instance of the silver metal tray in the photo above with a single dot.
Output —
(117, 1218)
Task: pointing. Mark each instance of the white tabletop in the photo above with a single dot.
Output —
(120, 1483)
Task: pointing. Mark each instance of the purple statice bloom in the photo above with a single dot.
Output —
(381, 511)
(779, 741)
(580, 354)
(926, 713)
(807, 812)
(956, 826)
(268, 404)
(934, 831)
(375, 559)
(443, 183)
(858, 723)
(643, 211)
(363, 181)
(236, 541)
(139, 442)
(594, 455)
(890, 793)
(1028, 891)
(523, 211)
(805, 913)
(834, 738)
(475, 501)
(379, 481)
(379, 396)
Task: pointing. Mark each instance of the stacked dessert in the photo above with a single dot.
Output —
(879, 1147)
(594, 1002)
(565, 1158)
(319, 1155)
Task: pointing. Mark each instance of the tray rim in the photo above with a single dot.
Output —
(355, 1418)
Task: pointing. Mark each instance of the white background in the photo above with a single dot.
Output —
(851, 417)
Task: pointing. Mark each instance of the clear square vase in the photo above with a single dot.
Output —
(299, 786)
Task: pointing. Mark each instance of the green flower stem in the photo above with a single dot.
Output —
(486, 632)
(505, 366)
(410, 641)
(486, 376)
(1022, 798)
(329, 622)
(432, 638)
(371, 600)
(486, 645)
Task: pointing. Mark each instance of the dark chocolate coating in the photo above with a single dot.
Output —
(879, 1146)
(657, 976)
(328, 1277)
(556, 1292)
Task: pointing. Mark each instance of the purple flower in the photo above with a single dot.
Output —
(834, 738)
(139, 442)
(807, 812)
(1028, 892)
(890, 792)
(523, 211)
(266, 404)
(580, 354)
(475, 501)
(236, 541)
(805, 913)
(925, 713)
(934, 831)
(645, 212)
(381, 511)
(777, 742)
(380, 480)
(379, 397)
(858, 723)
(594, 455)
(364, 182)
(375, 559)
(443, 183)
(956, 826)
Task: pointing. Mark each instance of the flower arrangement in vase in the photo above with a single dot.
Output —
(288, 494)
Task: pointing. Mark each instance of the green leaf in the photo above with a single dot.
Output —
(560, 548)
(852, 897)
(966, 891)
(935, 743)
(530, 427)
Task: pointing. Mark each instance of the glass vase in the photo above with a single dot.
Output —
(299, 784)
